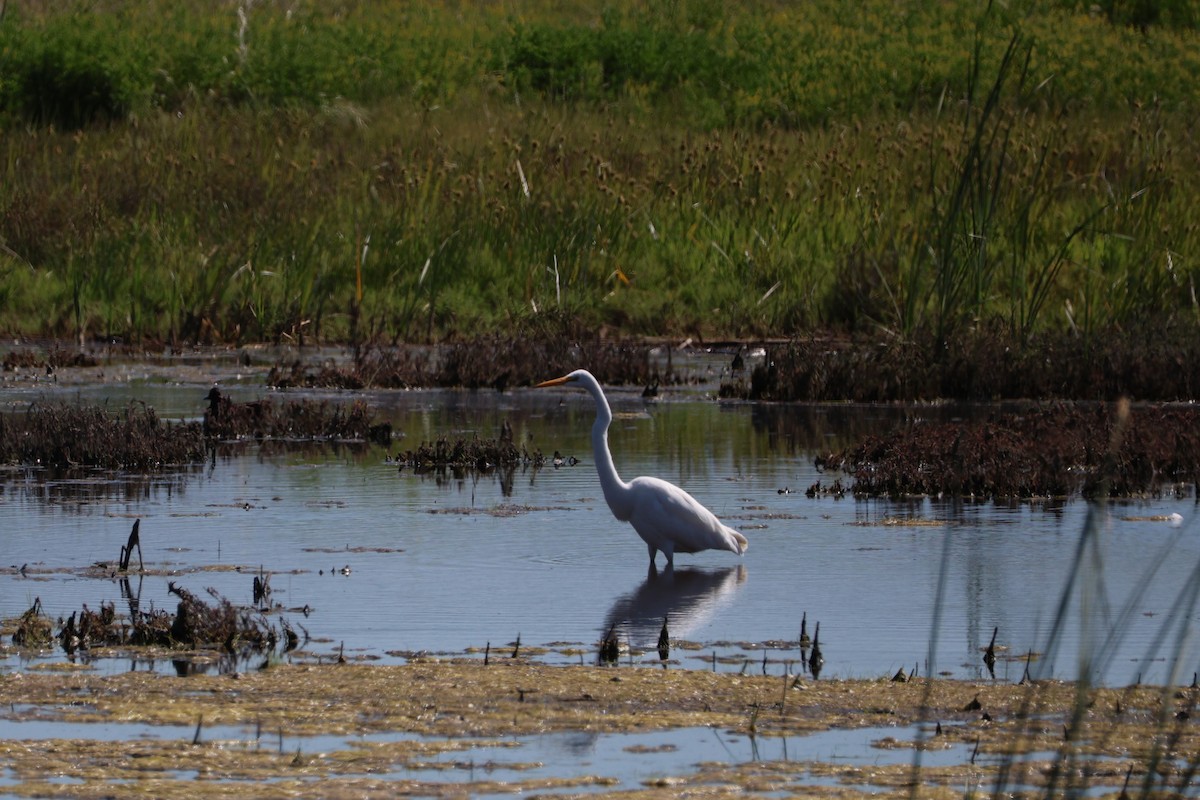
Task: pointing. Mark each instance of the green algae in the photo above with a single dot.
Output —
(1037, 731)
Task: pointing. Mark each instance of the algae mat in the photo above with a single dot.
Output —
(1036, 737)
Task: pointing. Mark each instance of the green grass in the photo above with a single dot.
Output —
(348, 171)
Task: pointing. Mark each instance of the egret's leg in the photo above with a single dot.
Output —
(653, 552)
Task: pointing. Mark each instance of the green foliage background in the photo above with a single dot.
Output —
(342, 170)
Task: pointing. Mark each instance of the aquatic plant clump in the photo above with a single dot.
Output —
(194, 625)
(63, 436)
(474, 454)
(292, 419)
(1053, 450)
(33, 628)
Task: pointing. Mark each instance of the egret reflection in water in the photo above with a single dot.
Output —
(687, 597)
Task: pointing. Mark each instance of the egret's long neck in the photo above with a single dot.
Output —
(616, 491)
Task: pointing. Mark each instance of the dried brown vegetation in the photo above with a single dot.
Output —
(1057, 449)
(497, 361)
(55, 357)
(475, 453)
(195, 625)
(62, 436)
(1148, 363)
(33, 628)
(292, 419)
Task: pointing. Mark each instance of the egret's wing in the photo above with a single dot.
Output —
(669, 513)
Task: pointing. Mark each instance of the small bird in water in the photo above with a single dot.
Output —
(738, 363)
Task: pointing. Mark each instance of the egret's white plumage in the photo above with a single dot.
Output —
(665, 516)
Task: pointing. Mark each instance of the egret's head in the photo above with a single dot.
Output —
(565, 379)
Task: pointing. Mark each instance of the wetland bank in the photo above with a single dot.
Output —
(416, 588)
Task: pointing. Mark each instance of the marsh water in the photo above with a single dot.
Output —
(381, 563)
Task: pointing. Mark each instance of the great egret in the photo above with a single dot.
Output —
(665, 516)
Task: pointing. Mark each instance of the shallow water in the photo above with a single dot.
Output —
(388, 563)
(626, 760)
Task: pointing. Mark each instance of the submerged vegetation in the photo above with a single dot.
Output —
(342, 172)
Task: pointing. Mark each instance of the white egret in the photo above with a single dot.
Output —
(665, 516)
